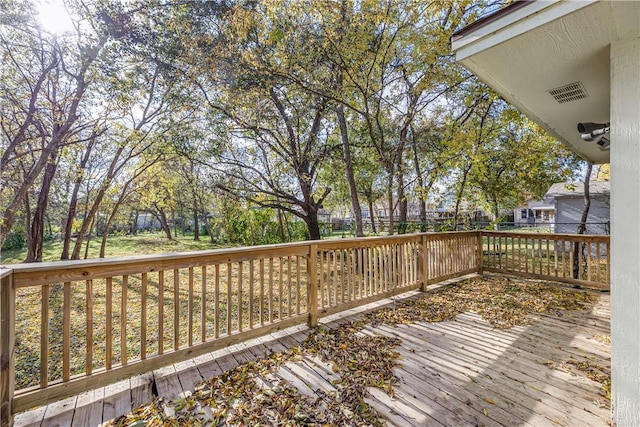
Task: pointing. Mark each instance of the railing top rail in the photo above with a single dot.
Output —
(4, 272)
(550, 236)
(174, 256)
(212, 255)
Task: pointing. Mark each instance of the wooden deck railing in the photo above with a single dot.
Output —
(70, 326)
(572, 258)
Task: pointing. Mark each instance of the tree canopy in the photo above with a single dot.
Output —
(182, 110)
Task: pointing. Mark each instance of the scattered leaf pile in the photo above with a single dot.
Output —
(592, 371)
(605, 339)
(252, 393)
(504, 302)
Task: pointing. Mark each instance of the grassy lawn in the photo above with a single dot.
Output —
(141, 244)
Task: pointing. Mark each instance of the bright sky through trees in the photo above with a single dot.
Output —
(54, 16)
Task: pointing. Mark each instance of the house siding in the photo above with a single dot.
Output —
(569, 214)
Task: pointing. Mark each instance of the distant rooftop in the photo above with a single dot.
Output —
(563, 189)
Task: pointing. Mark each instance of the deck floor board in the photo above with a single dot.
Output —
(462, 372)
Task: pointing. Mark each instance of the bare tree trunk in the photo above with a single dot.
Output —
(422, 195)
(390, 202)
(134, 226)
(73, 203)
(162, 218)
(402, 202)
(348, 164)
(373, 217)
(35, 245)
(86, 246)
(313, 225)
(280, 225)
(578, 252)
(196, 223)
(459, 194)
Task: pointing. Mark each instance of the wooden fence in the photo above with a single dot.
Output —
(70, 326)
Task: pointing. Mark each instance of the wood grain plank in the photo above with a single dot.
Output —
(117, 400)
(88, 411)
(60, 413)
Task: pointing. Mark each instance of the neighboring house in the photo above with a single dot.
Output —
(569, 204)
(324, 216)
(534, 212)
(564, 63)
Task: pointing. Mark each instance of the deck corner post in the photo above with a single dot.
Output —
(7, 340)
(479, 265)
(312, 285)
(422, 264)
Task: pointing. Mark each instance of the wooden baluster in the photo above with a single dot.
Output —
(298, 295)
(540, 256)
(261, 291)
(280, 294)
(66, 332)
(7, 348)
(312, 286)
(321, 276)
(349, 255)
(123, 321)
(526, 255)
(240, 298)
(251, 297)
(564, 267)
(160, 311)
(289, 290)
(329, 278)
(176, 309)
(216, 303)
(337, 283)
(548, 267)
(270, 290)
(366, 269)
(190, 309)
(44, 338)
(229, 302)
(598, 278)
(588, 260)
(555, 258)
(89, 327)
(203, 304)
(571, 258)
(108, 324)
(143, 317)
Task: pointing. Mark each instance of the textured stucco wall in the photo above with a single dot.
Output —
(625, 231)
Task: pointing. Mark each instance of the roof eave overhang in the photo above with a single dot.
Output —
(505, 25)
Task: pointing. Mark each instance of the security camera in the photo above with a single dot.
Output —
(588, 127)
(593, 131)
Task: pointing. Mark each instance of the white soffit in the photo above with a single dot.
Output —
(545, 45)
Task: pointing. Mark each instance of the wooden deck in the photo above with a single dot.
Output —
(453, 373)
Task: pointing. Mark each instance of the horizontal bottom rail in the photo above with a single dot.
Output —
(31, 399)
(357, 303)
(452, 276)
(570, 280)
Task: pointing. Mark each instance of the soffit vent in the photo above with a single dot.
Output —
(568, 93)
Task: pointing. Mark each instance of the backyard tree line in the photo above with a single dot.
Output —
(234, 115)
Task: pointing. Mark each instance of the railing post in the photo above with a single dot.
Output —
(312, 285)
(479, 253)
(422, 264)
(7, 340)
